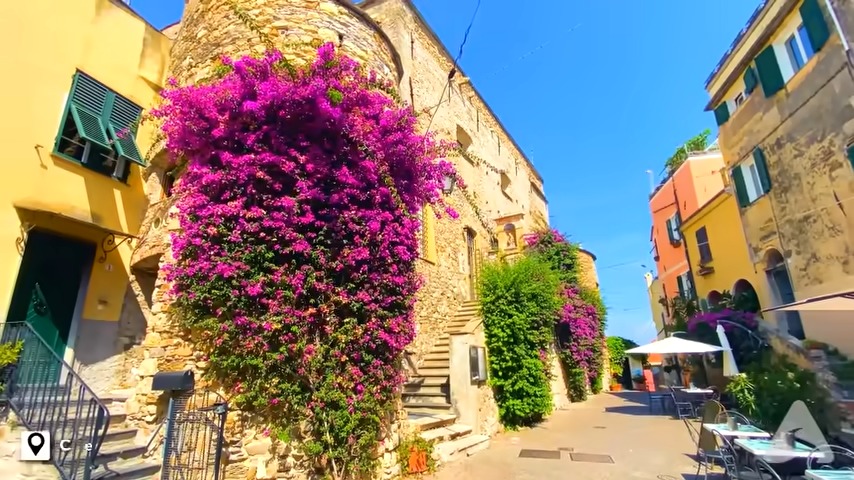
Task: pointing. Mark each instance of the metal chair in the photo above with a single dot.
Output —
(738, 416)
(734, 471)
(684, 409)
(832, 457)
(660, 398)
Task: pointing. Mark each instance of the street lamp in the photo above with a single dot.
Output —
(448, 182)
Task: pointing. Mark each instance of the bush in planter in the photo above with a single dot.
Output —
(9, 354)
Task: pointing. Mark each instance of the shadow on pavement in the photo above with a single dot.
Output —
(632, 396)
(634, 410)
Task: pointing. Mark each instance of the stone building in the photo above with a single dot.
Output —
(503, 201)
(782, 96)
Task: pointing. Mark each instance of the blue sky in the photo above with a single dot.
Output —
(596, 93)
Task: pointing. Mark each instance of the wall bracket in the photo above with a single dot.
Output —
(111, 242)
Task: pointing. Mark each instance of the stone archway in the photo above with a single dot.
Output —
(745, 297)
(714, 298)
(777, 275)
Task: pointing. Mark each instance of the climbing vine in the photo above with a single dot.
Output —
(295, 267)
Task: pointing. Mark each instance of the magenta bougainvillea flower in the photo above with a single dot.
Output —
(296, 256)
(579, 333)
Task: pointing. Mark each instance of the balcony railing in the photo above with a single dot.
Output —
(48, 395)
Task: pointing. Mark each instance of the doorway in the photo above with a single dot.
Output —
(46, 295)
(471, 261)
(778, 277)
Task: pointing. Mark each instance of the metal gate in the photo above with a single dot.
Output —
(192, 447)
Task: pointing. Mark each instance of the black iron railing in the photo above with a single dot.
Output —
(48, 395)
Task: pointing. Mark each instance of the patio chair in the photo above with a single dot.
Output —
(684, 408)
(706, 445)
(734, 471)
(707, 449)
(660, 398)
(832, 457)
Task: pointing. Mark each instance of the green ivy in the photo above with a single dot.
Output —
(519, 303)
(617, 347)
(576, 383)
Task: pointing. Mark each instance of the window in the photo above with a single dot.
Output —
(703, 245)
(739, 99)
(799, 48)
(98, 129)
(673, 224)
(751, 179)
(685, 286)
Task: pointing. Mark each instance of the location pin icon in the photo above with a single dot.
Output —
(36, 442)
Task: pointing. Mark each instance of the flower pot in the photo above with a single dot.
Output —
(616, 387)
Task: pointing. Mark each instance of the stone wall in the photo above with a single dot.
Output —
(454, 111)
(10, 456)
(211, 28)
(589, 277)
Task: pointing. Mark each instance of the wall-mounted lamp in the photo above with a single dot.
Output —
(448, 182)
(102, 304)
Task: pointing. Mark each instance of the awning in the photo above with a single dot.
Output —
(838, 302)
(674, 345)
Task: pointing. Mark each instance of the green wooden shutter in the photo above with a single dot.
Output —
(681, 286)
(750, 80)
(770, 76)
(722, 114)
(740, 187)
(762, 169)
(850, 152)
(814, 23)
(122, 122)
(668, 224)
(86, 107)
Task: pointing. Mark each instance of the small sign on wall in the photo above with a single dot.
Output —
(477, 363)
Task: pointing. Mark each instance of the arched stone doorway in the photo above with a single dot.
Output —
(744, 296)
(781, 286)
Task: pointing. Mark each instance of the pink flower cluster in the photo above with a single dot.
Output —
(578, 333)
(747, 319)
(297, 253)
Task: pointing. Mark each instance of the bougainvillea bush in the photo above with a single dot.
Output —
(740, 328)
(581, 326)
(295, 265)
(519, 302)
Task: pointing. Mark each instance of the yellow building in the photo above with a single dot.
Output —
(656, 294)
(782, 98)
(718, 253)
(71, 191)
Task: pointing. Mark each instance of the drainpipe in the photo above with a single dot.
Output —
(841, 31)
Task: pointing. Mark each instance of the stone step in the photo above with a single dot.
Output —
(435, 363)
(431, 371)
(439, 387)
(115, 435)
(443, 349)
(444, 340)
(422, 422)
(449, 432)
(119, 451)
(127, 471)
(429, 408)
(420, 397)
(433, 355)
(451, 450)
(117, 414)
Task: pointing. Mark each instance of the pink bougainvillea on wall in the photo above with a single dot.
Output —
(295, 265)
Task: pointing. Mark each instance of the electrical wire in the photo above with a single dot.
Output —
(531, 52)
(453, 69)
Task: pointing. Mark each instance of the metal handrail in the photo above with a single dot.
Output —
(47, 394)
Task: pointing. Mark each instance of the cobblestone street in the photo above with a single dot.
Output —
(642, 446)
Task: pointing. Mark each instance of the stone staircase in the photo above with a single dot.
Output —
(427, 397)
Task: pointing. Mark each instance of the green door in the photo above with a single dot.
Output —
(41, 355)
(45, 297)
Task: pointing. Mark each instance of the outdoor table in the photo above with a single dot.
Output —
(829, 475)
(744, 431)
(769, 450)
(697, 390)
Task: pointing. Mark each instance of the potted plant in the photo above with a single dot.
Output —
(615, 385)
(639, 382)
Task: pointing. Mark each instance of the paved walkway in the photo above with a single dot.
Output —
(642, 445)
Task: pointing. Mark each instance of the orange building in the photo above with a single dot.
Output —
(693, 184)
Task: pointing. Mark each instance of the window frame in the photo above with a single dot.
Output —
(704, 247)
(672, 224)
(105, 123)
(752, 184)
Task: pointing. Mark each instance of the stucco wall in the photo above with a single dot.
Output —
(807, 216)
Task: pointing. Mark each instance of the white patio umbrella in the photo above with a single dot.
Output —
(730, 367)
(674, 345)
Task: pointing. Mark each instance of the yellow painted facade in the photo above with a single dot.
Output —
(49, 42)
(730, 260)
(655, 290)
